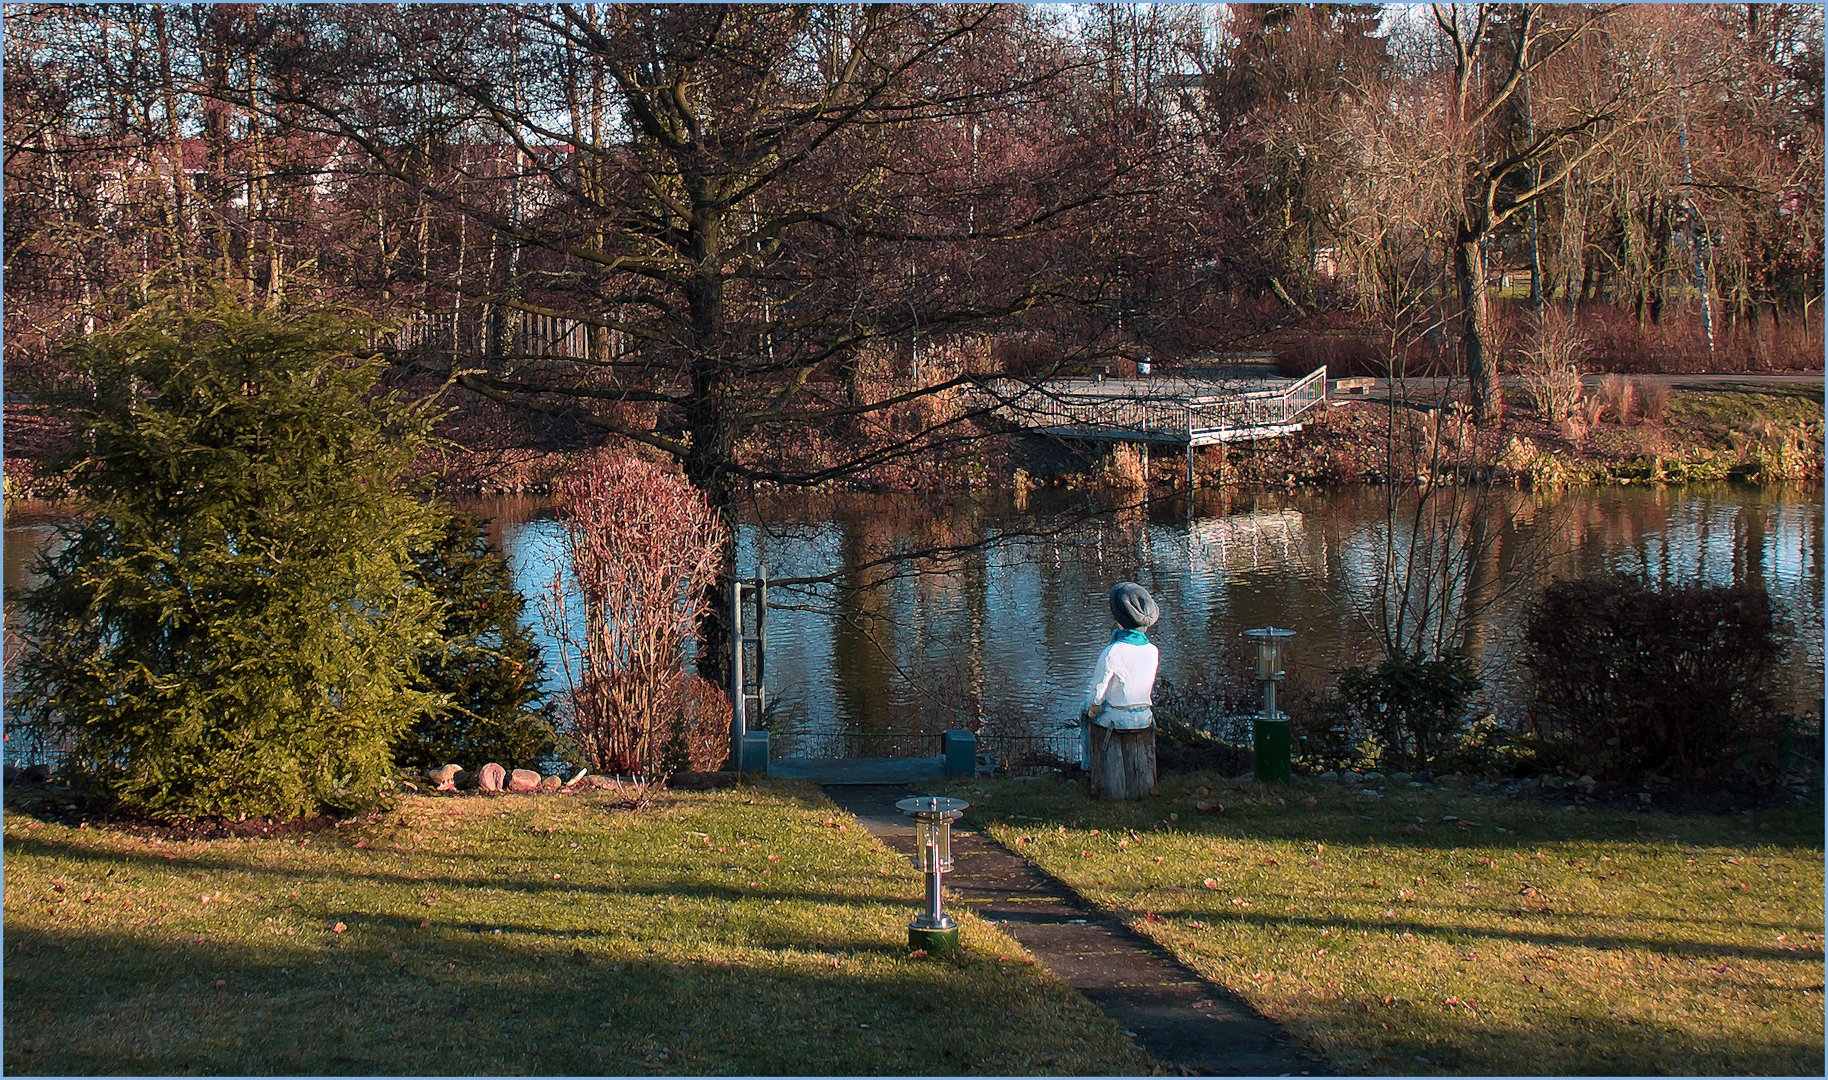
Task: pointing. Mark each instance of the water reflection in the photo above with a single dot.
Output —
(870, 655)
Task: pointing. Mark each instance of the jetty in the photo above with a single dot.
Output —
(1178, 410)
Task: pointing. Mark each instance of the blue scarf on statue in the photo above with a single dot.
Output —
(1129, 637)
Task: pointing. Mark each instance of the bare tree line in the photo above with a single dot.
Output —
(786, 238)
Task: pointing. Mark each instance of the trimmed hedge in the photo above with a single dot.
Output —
(1647, 684)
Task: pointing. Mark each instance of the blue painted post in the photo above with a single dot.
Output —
(959, 747)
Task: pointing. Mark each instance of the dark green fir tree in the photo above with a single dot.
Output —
(487, 672)
(234, 624)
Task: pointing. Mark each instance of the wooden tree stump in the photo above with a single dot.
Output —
(1123, 763)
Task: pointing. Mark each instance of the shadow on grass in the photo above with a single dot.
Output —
(691, 884)
(1545, 938)
(396, 1001)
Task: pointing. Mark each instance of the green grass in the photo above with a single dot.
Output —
(751, 931)
(1441, 933)
(1711, 412)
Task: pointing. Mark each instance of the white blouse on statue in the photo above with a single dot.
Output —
(1122, 682)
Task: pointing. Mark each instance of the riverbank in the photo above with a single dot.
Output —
(1750, 433)
(753, 931)
(1756, 434)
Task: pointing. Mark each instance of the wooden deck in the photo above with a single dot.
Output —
(1171, 410)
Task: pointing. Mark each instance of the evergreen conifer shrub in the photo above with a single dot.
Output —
(486, 672)
(233, 626)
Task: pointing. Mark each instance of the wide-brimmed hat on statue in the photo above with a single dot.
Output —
(1132, 606)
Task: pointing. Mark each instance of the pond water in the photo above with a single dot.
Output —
(877, 659)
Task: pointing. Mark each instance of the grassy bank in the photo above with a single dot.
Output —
(737, 932)
(1442, 933)
(1753, 434)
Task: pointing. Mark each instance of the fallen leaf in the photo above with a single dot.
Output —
(1210, 883)
(339, 928)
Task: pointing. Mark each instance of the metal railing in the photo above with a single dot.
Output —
(1172, 410)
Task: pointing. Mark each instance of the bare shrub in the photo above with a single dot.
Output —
(1126, 467)
(1646, 683)
(1617, 395)
(1775, 450)
(1592, 410)
(1622, 342)
(1550, 369)
(702, 735)
(1653, 402)
(641, 548)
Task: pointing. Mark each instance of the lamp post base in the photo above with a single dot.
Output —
(935, 942)
(1271, 739)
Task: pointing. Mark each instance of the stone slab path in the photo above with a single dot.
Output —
(1171, 1012)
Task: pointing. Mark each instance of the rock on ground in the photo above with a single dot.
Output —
(523, 781)
(551, 783)
(492, 777)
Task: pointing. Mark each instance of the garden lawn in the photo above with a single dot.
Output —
(1431, 932)
(749, 931)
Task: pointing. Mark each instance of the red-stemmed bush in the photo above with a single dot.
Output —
(641, 548)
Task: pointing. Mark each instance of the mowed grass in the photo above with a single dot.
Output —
(750, 931)
(1439, 933)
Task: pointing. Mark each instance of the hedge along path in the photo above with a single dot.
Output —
(1194, 1025)
(747, 931)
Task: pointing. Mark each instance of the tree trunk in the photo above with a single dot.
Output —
(1479, 334)
(711, 419)
(1122, 763)
(707, 470)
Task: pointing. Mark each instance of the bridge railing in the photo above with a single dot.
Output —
(1176, 410)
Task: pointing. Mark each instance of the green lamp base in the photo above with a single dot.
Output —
(935, 942)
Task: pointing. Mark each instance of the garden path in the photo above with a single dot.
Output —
(1171, 1012)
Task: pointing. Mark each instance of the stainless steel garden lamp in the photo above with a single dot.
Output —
(1270, 730)
(933, 930)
